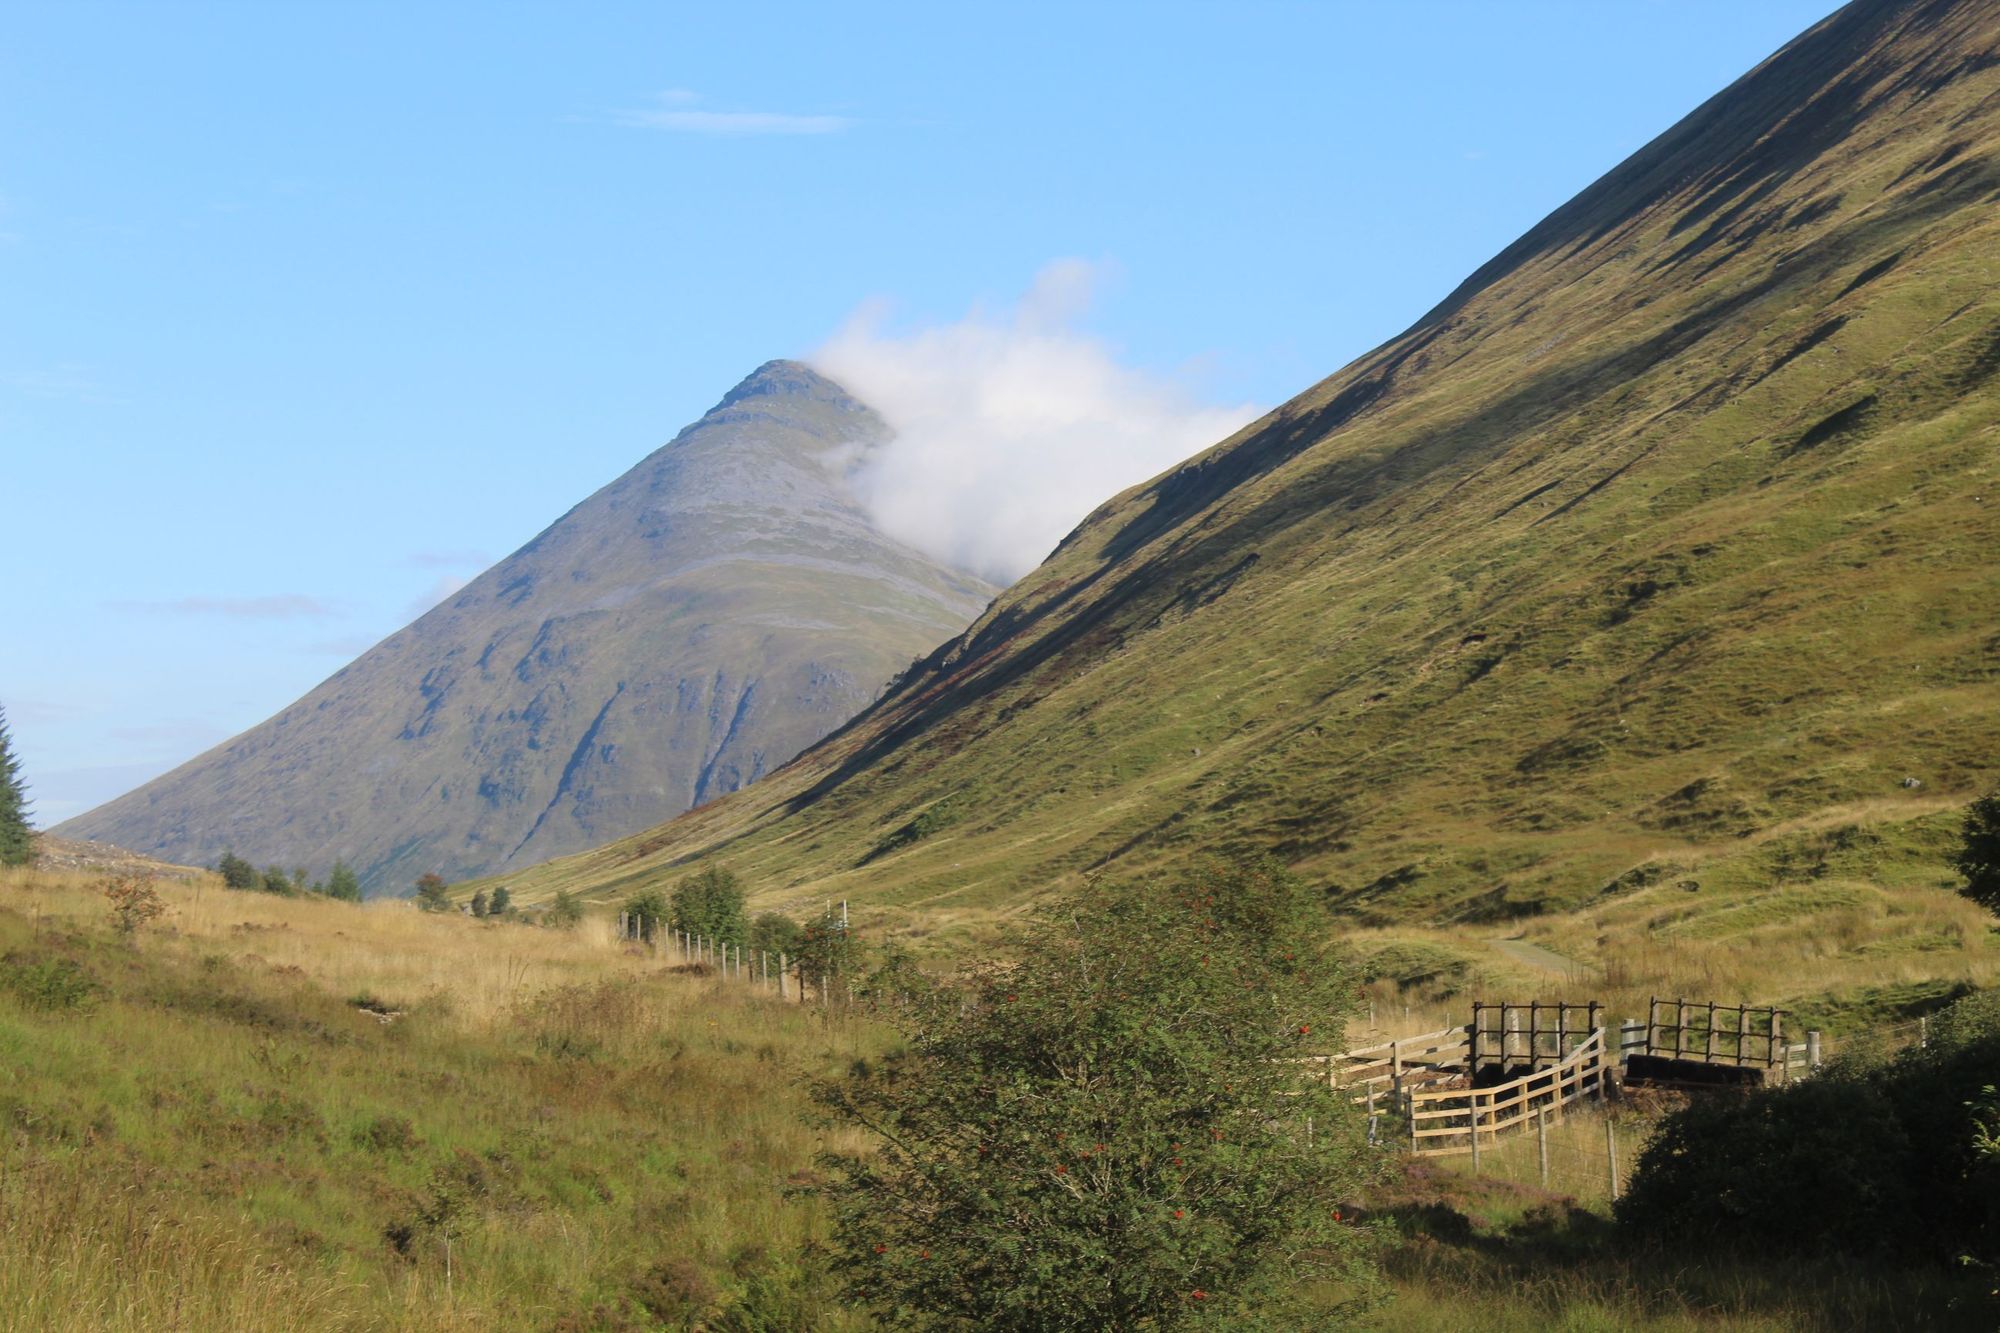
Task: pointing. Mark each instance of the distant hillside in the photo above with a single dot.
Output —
(1667, 539)
(66, 854)
(677, 635)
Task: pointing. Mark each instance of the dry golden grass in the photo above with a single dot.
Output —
(557, 1132)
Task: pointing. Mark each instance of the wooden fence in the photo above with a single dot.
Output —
(1711, 1033)
(1505, 1037)
(772, 971)
(1457, 1120)
(1392, 1065)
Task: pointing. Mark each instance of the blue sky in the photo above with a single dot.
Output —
(309, 310)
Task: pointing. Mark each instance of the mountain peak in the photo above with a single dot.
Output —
(788, 379)
(684, 630)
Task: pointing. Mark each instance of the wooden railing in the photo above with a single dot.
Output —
(1392, 1065)
(1731, 1034)
(1455, 1120)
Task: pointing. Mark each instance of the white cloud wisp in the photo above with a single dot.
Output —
(676, 113)
(1009, 429)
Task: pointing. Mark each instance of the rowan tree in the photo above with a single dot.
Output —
(431, 892)
(1116, 1132)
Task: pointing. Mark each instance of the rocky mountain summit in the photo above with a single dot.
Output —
(680, 633)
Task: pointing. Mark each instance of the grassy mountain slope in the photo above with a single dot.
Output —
(1660, 553)
(692, 625)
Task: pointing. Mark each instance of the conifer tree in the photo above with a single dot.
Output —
(16, 843)
(342, 884)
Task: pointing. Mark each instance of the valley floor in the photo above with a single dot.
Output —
(261, 1112)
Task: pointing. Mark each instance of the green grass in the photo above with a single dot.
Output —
(212, 1128)
(1583, 606)
(202, 1138)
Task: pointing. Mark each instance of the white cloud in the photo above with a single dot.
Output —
(442, 587)
(1010, 427)
(674, 111)
(280, 606)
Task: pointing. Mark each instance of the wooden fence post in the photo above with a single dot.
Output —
(1542, 1138)
(1475, 1128)
(1611, 1155)
(784, 987)
(1812, 1048)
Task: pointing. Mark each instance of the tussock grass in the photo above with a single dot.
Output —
(552, 1133)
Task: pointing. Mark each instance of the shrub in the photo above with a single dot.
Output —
(565, 912)
(1870, 1159)
(1978, 856)
(709, 903)
(342, 884)
(133, 903)
(47, 984)
(648, 912)
(431, 892)
(775, 933)
(823, 951)
(1111, 1134)
(386, 1134)
(238, 873)
(502, 903)
(479, 903)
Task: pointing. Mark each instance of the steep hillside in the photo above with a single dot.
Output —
(686, 629)
(1661, 553)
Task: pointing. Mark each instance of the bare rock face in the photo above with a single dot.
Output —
(677, 635)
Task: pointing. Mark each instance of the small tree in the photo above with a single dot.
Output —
(275, 881)
(133, 903)
(823, 951)
(431, 894)
(17, 843)
(709, 903)
(479, 903)
(1978, 856)
(775, 933)
(238, 873)
(565, 912)
(1115, 1133)
(503, 902)
(648, 912)
(341, 883)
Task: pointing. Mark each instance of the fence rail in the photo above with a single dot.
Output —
(1390, 1065)
(1454, 1120)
